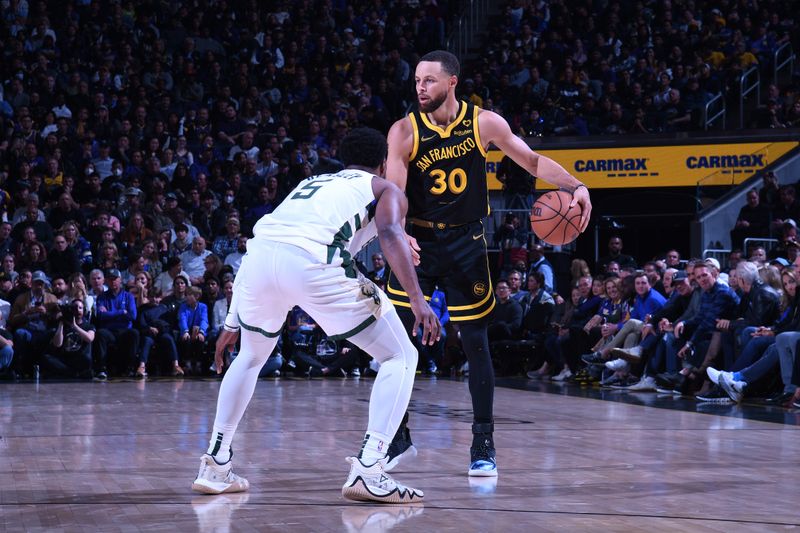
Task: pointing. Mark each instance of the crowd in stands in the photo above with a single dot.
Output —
(585, 68)
(140, 142)
(689, 328)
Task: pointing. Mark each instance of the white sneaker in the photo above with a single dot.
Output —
(617, 364)
(564, 375)
(713, 374)
(214, 478)
(735, 389)
(372, 483)
(634, 353)
(647, 383)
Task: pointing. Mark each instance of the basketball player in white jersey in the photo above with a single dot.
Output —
(301, 254)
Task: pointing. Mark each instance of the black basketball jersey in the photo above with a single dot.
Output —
(447, 169)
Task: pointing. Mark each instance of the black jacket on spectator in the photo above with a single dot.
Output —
(64, 264)
(674, 307)
(153, 316)
(539, 312)
(506, 320)
(759, 307)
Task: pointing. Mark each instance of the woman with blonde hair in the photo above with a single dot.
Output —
(82, 247)
(109, 257)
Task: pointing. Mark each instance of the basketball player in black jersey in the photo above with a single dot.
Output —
(437, 154)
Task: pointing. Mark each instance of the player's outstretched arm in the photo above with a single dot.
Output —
(389, 214)
(495, 130)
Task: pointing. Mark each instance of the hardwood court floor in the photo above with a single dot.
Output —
(120, 456)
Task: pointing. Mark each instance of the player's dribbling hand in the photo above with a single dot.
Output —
(225, 342)
(414, 247)
(425, 317)
(581, 196)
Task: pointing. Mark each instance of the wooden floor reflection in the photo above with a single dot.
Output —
(120, 456)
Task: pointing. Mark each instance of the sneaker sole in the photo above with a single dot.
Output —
(482, 473)
(718, 401)
(209, 487)
(359, 491)
(410, 453)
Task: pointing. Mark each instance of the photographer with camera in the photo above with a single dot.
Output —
(70, 351)
(29, 322)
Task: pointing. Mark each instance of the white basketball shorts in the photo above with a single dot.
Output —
(274, 277)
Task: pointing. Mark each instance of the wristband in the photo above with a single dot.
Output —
(231, 329)
(579, 186)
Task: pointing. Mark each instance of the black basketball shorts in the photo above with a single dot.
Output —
(454, 259)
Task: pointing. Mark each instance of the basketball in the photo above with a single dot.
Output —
(552, 219)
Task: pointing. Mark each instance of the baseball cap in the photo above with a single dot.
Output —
(781, 261)
(171, 196)
(680, 275)
(113, 273)
(133, 191)
(40, 276)
(713, 262)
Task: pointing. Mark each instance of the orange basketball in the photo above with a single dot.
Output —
(553, 221)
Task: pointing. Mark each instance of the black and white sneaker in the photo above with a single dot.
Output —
(372, 483)
(400, 450)
(716, 395)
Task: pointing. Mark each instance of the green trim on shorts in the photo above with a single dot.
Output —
(358, 329)
(258, 330)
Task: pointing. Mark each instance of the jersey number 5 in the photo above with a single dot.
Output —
(308, 190)
(455, 182)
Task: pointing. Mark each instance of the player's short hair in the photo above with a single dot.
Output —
(448, 61)
(364, 147)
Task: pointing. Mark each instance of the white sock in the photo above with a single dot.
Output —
(374, 447)
(219, 447)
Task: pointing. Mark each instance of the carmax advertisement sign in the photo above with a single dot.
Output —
(659, 166)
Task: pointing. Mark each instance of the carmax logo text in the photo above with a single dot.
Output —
(726, 161)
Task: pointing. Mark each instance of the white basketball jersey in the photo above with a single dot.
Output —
(327, 215)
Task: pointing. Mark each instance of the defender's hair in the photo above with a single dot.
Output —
(364, 147)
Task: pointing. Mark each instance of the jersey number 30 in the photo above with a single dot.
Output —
(455, 182)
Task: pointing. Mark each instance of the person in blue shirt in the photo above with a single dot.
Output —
(646, 302)
(431, 354)
(116, 313)
(193, 329)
